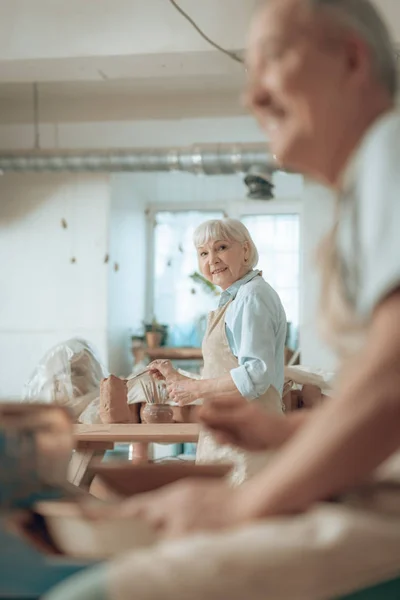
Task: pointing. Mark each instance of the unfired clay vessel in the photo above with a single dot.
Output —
(114, 401)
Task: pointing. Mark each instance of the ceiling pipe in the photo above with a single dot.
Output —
(207, 159)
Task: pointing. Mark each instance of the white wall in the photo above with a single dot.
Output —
(45, 298)
(127, 270)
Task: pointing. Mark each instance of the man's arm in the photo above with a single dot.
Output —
(344, 440)
(248, 425)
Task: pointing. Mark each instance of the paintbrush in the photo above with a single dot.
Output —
(145, 372)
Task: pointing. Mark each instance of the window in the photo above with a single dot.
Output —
(277, 239)
(177, 301)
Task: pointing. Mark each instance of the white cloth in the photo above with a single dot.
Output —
(369, 225)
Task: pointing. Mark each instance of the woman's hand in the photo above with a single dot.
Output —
(183, 391)
(238, 422)
(163, 370)
(184, 507)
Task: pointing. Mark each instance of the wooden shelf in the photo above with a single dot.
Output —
(163, 352)
(175, 353)
(163, 433)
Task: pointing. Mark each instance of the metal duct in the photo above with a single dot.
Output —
(215, 159)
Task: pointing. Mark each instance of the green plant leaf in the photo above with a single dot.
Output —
(206, 285)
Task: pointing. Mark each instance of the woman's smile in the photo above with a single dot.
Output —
(219, 270)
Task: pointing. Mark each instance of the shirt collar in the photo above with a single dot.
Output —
(352, 168)
(231, 292)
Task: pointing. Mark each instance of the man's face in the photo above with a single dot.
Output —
(298, 84)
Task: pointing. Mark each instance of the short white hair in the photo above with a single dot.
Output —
(230, 230)
(361, 17)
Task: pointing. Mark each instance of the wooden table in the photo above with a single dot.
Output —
(91, 441)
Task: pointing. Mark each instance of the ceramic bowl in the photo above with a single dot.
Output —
(80, 537)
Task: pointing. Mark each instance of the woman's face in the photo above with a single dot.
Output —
(223, 262)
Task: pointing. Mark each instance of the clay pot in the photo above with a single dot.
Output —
(153, 339)
(156, 413)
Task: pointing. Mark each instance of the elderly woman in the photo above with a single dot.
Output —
(243, 348)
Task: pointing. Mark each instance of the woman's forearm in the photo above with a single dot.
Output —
(185, 390)
(219, 388)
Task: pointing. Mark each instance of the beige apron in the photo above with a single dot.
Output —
(218, 361)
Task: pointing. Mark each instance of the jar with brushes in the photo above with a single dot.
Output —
(155, 409)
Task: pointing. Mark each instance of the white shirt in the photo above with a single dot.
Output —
(255, 324)
(369, 226)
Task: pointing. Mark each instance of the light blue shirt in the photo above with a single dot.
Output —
(255, 325)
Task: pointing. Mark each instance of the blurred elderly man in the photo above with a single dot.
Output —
(322, 84)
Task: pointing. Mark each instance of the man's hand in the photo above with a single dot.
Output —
(238, 422)
(183, 507)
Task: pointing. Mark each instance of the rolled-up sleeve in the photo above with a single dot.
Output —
(254, 333)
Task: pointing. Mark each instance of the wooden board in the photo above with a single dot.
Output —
(129, 479)
(163, 433)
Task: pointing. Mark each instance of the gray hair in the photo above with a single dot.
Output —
(362, 17)
(230, 230)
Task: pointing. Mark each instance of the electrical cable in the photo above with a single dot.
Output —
(231, 55)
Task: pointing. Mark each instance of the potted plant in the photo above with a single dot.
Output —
(155, 333)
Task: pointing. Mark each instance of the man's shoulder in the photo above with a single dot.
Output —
(383, 142)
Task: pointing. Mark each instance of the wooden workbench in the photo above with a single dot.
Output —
(91, 441)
